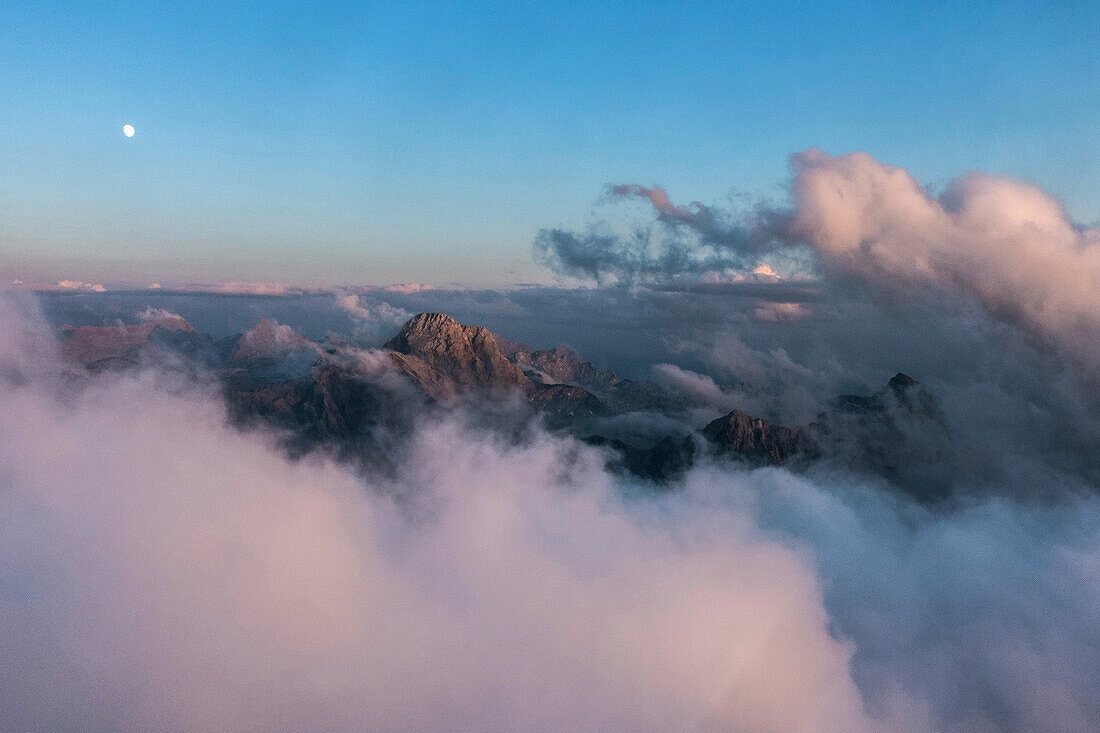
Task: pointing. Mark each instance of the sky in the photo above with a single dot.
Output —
(369, 143)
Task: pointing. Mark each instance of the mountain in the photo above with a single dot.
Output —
(341, 402)
(268, 340)
(91, 344)
(664, 460)
(901, 391)
(745, 437)
(562, 365)
(333, 408)
(444, 357)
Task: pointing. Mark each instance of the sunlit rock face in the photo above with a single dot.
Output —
(444, 357)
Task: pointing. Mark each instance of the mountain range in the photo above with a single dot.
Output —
(359, 403)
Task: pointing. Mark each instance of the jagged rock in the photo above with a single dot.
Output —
(755, 439)
(332, 408)
(513, 350)
(445, 357)
(562, 365)
(112, 364)
(563, 403)
(565, 366)
(898, 432)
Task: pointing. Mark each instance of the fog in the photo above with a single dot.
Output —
(164, 571)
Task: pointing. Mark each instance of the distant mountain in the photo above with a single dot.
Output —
(445, 358)
(357, 402)
(108, 347)
(664, 460)
(334, 408)
(562, 365)
(901, 391)
(268, 340)
(745, 437)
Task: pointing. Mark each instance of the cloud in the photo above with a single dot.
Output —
(249, 288)
(372, 322)
(268, 339)
(1006, 243)
(765, 270)
(781, 312)
(855, 222)
(80, 285)
(381, 313)
(685, 241)
(163, 571)
(407, 288)
(657, 196)
(699, 386)
(156, 314)
(985, 617)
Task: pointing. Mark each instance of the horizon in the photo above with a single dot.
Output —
(402, 143)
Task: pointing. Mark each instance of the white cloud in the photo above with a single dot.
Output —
(1006, 243)
(407, 288)
(80, 285)
(699, 386)
(250, 288)
(156, 314)
(773, 311)
(165, 572)
(766, 271)
(162, 571)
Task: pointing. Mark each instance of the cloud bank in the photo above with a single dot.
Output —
(1008, 245)
(163, 571)
(166, 572)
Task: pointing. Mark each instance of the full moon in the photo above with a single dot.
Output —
(128, 130)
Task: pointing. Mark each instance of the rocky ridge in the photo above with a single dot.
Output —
(320, 395)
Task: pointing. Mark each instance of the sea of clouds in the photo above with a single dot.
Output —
(164, 571)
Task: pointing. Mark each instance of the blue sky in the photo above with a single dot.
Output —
(369, 143)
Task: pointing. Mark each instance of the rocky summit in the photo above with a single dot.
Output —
(445, 357)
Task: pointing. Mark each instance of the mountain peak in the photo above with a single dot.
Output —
(752, 438)
(425, 330)
(268, 339)
(901, 381)
(466, 356)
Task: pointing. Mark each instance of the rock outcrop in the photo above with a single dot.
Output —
(445, 357)
(749, 438)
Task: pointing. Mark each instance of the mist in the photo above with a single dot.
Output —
(164, 570)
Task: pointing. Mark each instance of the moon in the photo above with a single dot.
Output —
(128, 130)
